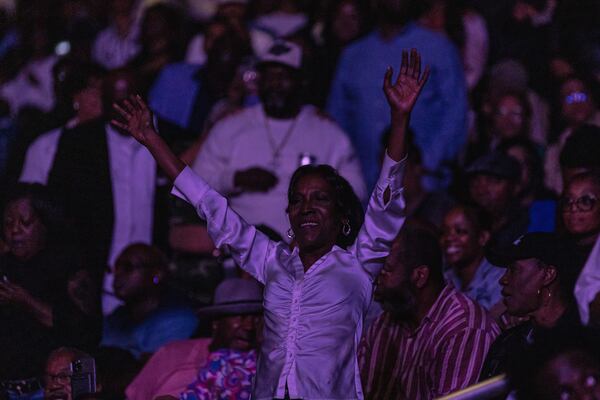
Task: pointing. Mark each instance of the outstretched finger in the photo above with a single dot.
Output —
(119, 124)
(141, 104)
(387, 79)
(125, 114)
(129, 106)
(424, 77)
(404, 65)
(412, 61)
(417, 69)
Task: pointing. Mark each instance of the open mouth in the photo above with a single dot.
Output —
(451, 250)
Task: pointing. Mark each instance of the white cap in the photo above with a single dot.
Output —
(285, 53)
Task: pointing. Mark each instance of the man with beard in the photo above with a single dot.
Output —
(431, 339)
(251, 155)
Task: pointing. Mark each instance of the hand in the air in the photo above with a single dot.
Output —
(137, 118)
(403, 94)
(11, 293)
(255, 179)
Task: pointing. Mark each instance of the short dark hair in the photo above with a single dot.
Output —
(581, 148)
(347, 202)
(423, 248)
(476, 215)
(44, 205)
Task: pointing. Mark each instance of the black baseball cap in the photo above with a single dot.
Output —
(547, 247)
(496, 164)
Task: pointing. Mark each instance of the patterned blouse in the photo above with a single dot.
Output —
(227, 375)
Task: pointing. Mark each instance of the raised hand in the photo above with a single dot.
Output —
(403, 94)
(137, 118)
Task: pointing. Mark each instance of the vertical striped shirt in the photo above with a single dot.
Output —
(444, 354)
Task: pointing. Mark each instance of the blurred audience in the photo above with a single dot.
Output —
(439, 119)
(42, 301)
(150, 316)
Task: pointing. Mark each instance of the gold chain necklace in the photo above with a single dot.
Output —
(276, 148)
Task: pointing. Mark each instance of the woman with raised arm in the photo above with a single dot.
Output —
(317, 294)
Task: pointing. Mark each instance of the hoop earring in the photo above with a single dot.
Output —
(155, 280)
(290, 234)
(346, 228)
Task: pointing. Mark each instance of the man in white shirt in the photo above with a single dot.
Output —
(110, 194)
(250, 156)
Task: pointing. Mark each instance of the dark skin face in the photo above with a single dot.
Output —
(279, 91)
(133, 280)
(239, 332)
(491, 193)
(577, 221)
(394, 289)
(462, 241)
(24, 232)
(314, 216)
(521, 286)
(58, 377)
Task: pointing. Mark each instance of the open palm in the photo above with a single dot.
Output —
(136, 117)
(403, 94)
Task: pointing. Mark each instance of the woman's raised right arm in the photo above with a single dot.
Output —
(250, 248)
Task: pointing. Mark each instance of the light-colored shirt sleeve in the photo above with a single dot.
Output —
(588, 283)
(249, 247)
(382, 220)
(40, 157)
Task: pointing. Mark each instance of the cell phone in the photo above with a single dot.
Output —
(83, 377)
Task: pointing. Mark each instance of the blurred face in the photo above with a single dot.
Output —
(133, 280)
(508, 118)
(23, 230)
(462, 242)
(573, 375)
(57, 378)
(491, 193)
(347, 22)
(279, 90)
(313, 214)
(580, 207)
(89, 100)
(117, 87)
(394, 289)
(233, 12)
(521, 284)
(520, 154)
(577, 105)
(238, 332)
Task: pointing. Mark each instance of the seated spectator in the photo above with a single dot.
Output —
(578, 109)
(580, 211)
(431, 339)
(531, 191)
(492, 181)
(150, 316)
(466, 231)
(37, 310)
(541, 270)
(235, 337)
(562, 364)
(57, 377)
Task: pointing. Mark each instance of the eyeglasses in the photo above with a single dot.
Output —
(63, 378)
(583, 203)
(576, 97)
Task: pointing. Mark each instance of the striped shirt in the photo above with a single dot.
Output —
(444, 354)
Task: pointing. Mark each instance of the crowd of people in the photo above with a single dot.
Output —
(299, 199)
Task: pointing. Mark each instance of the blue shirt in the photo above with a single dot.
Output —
(439, 119)
(166, 324)
(485, 287)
